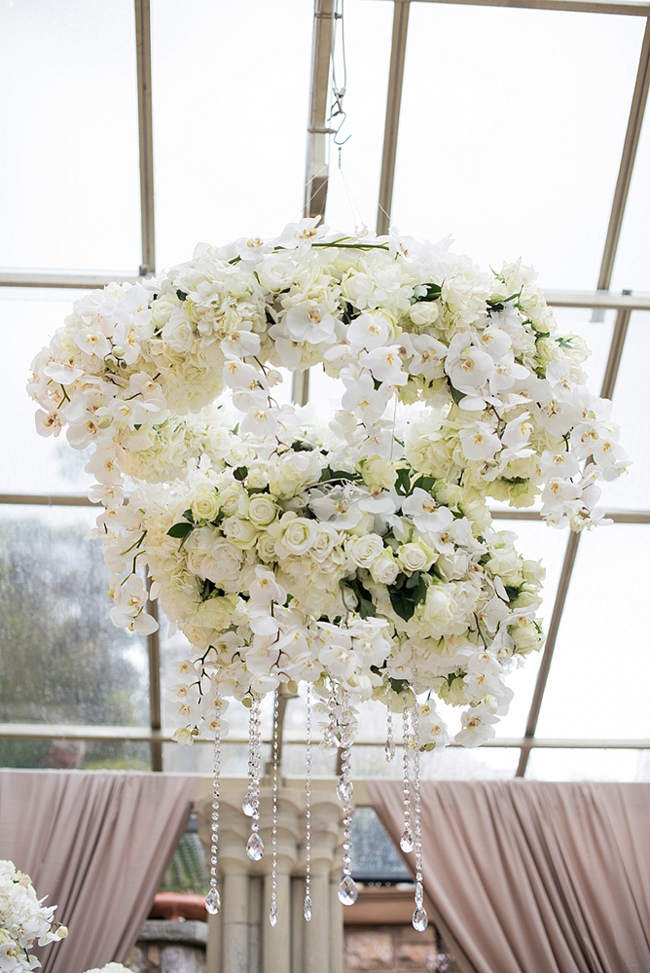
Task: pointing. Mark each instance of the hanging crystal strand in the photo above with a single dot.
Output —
(348, 891)
(251, 805)
(273, 913)
(407, 841)
(420, 918)
(213, 899)
(307, 906)
(329, 735)
(389, 749)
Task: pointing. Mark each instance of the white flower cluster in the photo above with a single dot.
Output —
(23, 919)
(354, 552)
(110, 968)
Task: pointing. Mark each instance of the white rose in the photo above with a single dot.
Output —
(178, 333)
(240, 532)
(266, 547)
(298, 536)
(222, 565)
(231, 497)
(415, 557)
(423, 313)
(364, 550)
(377, 472)
(385, 568)
(261, 510)
(294, 471)
(327, 538)
(205, 503)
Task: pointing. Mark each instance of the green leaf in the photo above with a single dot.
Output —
(180, 530)
(403, 482)
(365, 604)
(241, 473)
(181, 295)
(403, 607)
(425, 483)
(456, 395)
(301, 447)
(512, 592)
(433, 292)
(398, 685)
(328, 474)
(188, 515)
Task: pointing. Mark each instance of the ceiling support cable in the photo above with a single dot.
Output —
(393, 104)
(607, 390)
(145, 125)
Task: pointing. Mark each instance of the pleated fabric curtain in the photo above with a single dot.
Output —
(534, 877)
(97, 843)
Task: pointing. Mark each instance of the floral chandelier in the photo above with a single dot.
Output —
(354, 552)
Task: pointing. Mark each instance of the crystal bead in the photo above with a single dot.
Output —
(344, 790)
(248, 806)
(255, 847)
(213, 901)
(307, 908)
(419, 894)
(389, 750)
(273, 914)
(407, 841)
(348, 891)
(420, 920)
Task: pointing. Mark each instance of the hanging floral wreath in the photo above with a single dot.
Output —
(23, 920)
(360, 549)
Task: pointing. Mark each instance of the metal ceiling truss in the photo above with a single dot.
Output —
(317, 176)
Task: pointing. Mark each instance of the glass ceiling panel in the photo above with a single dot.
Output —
(69, 186)
(62, 659)
(631, 410)
(501, 137)
(454, 763)
(28, 319)
(573, 765)
(632, 267)
(353, 190)
(230, 103)
(599, 678)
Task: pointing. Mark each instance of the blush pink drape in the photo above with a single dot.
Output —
(96, 843)
(534, 877)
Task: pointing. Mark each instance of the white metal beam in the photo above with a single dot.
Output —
(393, 105)
(630, 146)
(616, 7)
(145, 124)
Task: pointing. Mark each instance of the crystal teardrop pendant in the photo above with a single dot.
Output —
(248, 806)
(273, 914)
(420, 919)
(348, 891)
(407, 841)
(213, 902)
(255, 847)
(344, 790)
(307, 908)
(389, 750)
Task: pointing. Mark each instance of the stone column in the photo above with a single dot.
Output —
(325, 836)
(241, 938)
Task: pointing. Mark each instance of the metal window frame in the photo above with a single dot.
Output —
(317, 175)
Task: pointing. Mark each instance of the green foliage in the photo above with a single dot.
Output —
(406, 593)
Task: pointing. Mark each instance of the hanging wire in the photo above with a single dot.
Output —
(337, 111)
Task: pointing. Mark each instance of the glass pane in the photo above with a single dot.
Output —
(454, 763)
(523, 168)
(188, 869)
(198, 759)
(374, 856)
(61, 754)
(617, 765)
(353, 191)
(600, 674)
(34, 465)
(631, 408)
(632, 267)
(70, 182)
(231, 94)
(62, 659)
